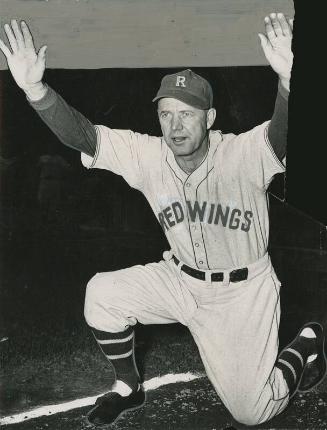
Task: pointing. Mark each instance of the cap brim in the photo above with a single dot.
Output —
(187, 98)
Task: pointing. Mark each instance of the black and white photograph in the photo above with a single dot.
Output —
(163, 241)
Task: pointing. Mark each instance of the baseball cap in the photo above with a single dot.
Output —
(187, 87)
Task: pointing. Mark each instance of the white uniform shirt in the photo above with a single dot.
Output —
(214, 218)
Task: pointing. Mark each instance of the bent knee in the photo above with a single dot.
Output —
(246, 417)
(97, 293)
(246, 411)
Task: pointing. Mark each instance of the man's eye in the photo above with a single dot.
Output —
(165, 115)
(187, 114)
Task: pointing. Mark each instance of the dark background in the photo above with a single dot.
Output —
(306, 166)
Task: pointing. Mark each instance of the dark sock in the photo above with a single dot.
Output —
(119, 350)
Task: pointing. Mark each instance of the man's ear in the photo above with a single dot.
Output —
(211, 116)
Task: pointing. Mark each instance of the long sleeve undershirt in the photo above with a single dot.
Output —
(77, 132)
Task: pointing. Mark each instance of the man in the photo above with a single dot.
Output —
(208, 191)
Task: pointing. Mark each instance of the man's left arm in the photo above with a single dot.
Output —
(277, 129)
(276, 45)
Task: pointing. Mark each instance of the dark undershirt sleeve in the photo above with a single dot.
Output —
(277, 130)
(69, 125)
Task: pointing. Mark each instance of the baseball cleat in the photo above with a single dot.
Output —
(315, 371)
(111, 406)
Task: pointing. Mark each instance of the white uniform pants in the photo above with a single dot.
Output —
(235, 326)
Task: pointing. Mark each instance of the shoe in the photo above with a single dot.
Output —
(111, 406)
(315, 371)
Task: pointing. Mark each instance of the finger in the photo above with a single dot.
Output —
(28, 39)
(5, 49)
(284, 24)
(41, 54)
(11, 38)
(18, 34)
(291, 21)
(276, 25)
(269, 29)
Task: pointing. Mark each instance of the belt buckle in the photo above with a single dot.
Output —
(239, 275)
(217, 277)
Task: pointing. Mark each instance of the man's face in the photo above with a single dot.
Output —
(184, 128)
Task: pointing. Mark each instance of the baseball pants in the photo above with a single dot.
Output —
(235, 325)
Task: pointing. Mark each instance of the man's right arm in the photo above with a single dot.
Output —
(27, 68)
(69, 125)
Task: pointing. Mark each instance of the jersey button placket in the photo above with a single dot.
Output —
(199, 253)
(195, 229)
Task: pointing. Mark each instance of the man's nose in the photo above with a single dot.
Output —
(176, 123)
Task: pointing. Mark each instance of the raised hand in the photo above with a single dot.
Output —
(277, 45)
(26, 65)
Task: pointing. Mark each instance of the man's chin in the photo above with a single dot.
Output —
(179, 148)
(180, 151)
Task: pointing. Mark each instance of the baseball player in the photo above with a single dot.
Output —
(208, 191)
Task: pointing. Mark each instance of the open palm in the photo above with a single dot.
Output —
(26, 65)
(277, 44)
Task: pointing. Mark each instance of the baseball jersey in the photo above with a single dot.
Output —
(217, 216)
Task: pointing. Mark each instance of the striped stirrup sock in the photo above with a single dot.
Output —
(291, 363)
(119, 350)
(292, 360)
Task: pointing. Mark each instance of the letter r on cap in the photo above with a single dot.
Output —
(180, 81)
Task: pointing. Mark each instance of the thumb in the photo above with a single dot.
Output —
(263, 41)
(265, 44)
(41, 54)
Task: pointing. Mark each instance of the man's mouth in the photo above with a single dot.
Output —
(178, 139)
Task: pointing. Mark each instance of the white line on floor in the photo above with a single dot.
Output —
(151, 384)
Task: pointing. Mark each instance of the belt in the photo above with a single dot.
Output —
(234, 276)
